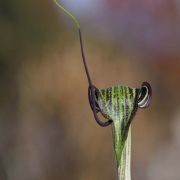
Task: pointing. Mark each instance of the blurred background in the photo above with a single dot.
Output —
(47, 130)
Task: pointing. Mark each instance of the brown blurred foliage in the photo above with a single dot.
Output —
(47, 130)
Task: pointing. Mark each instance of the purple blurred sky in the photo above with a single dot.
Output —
(148, 26)
(85, 7)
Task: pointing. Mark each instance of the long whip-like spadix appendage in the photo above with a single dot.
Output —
(80, 38)
(92, 88)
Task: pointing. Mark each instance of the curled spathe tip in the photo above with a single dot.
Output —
(145, 94)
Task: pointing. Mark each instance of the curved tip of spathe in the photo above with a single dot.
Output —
(145, 94)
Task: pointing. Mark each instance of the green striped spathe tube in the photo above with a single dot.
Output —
(118, 103)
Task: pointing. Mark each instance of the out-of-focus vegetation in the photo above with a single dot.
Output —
(47, 130)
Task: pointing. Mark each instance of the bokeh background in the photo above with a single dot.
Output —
(47, 130)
